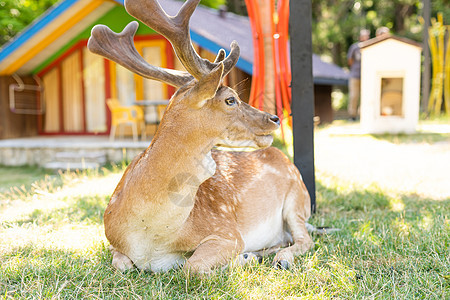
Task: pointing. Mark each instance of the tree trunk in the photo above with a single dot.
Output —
(336, 54)
(402, 11)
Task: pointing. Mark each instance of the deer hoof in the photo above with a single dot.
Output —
(248, 258)
(260, 259)
(282, 265)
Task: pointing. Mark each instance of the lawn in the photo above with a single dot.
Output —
(20, 176)
(393, 243)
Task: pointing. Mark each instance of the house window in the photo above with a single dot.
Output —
(74, 93)
(130, 88)
(152, 89)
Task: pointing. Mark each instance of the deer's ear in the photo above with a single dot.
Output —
(207, 86)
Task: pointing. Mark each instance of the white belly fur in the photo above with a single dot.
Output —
(148, 252)
(265, 235)
(146, 257)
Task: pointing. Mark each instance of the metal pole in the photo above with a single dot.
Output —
(426, 56)
(303, 92)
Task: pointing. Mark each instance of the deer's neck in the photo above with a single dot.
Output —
(174, 166)
(183, 153)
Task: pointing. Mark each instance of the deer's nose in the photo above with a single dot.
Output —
(275, 119)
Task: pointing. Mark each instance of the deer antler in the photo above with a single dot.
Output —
(119, 47)
(176, 30)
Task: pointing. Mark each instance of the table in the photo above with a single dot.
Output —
(150, 110)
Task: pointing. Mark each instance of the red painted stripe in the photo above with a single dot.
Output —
(170, 62)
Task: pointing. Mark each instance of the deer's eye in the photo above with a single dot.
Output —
(230, 101)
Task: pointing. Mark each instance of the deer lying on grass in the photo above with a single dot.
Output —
(182, 203)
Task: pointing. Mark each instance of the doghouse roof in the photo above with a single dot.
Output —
(68, 19)
(385, 37)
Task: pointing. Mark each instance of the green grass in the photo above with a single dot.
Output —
(20, 176)
(390, 246)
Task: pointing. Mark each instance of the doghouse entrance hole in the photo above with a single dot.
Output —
(391, 102)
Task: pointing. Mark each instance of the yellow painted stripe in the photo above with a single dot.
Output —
(139, 85)
(52, 37)
(113, 77)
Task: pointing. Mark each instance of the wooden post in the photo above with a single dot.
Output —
(303, 92)
(426, 56)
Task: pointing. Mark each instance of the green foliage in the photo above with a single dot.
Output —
(15, 15)
(442, 6)
(336, 23)
(237, 7)
(213, 3)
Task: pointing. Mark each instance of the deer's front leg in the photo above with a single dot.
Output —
(120, 261)
(214, 251)
(302, 243)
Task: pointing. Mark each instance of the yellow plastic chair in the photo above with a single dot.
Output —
(126, 115)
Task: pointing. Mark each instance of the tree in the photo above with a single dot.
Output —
(213, 3)
(336, 23)
(15, 15)
(237, 6)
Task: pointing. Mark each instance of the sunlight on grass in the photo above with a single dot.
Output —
(416, 163)
(396, 204)
(365, 233)
(64, 237)
(66, 215)
(427, 222)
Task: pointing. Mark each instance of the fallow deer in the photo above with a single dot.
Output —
(180, 202)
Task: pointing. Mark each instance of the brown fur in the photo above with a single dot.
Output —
(179, 199)
(223, 212)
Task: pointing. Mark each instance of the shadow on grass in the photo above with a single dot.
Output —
(20, 176)
(402, 138)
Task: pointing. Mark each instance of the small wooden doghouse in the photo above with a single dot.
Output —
(390, 84)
